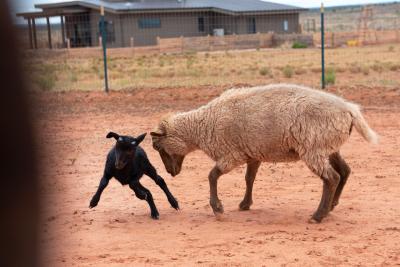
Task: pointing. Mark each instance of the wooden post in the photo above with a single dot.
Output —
(49, 32)
(132, 42)
(68, 43)
(30, 33)
(34, 33)
(63, 31)
(100, 41)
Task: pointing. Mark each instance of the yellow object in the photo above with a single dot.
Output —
(352, 43)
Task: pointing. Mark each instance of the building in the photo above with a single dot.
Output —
(142, 21)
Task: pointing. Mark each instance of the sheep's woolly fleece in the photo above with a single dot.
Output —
(274, 123)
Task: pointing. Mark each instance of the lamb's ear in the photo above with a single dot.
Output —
(140, 138)
(112, 135)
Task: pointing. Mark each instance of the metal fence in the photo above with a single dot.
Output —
(146, 50)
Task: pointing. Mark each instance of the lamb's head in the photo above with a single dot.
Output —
(170, 145)
(125, 148)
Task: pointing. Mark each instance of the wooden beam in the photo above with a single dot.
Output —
(63, 32)
(30, 33)
(49, 32)
(34, 33)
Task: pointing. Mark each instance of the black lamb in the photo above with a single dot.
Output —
(127, 162)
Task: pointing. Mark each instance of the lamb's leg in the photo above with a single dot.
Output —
(215, 203)
(344, 170)
(330, 179)
(144, 194)
(152, 173)
(103, 184)
(251, 172)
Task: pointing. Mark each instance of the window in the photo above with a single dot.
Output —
(149, 23)
(201, 24)
(285, 25)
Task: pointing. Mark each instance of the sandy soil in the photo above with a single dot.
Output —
(363, 230)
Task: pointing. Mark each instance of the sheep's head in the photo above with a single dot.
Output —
(171, 147)
(125, 148)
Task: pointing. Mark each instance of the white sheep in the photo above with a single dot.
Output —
(274, 123)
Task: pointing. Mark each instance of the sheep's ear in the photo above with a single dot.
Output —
(113, 135)
(140, 138)
(157, 134)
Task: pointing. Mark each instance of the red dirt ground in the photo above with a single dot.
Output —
(363, 230)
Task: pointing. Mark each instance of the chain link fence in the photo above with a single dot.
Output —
(149, 50)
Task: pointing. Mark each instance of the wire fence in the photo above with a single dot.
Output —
(205, 48)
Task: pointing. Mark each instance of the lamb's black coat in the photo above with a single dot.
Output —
(127, 162)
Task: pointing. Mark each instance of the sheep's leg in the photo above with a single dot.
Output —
(215, 203)
(344, 170)
(144, 194)
(103, 184)
(152, 173)
(251, 172)
(330, 178)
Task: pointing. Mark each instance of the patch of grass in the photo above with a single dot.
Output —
(365, 70)
(45, 82)
(330, 76)
(391, 48)
(288, 71)
(299, 45)
(264, 71)
(377, 66)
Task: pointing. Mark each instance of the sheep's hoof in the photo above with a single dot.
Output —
(217, 207)
(334, 204)
(316, 218)
(244, 205)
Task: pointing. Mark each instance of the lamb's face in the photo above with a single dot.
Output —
(172, 151)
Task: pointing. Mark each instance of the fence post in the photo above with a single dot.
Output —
(259, 40)
(322, 47)
(159, 44)
(100, 41)
(132, 42)
(104, 42)
(68, 43)
(182, 48)
(209, 42)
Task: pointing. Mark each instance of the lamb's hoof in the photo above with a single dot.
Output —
(155, 215)
(174, 203)
(244, 206)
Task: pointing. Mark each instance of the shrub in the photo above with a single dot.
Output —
(297, 45)
(288, 71)
(265, 71)
(330, 76)
(46, 82)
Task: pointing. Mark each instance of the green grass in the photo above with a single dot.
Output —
(330, 76)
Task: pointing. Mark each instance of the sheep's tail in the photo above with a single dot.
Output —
(361, 124)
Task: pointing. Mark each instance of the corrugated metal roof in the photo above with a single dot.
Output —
(228, 5)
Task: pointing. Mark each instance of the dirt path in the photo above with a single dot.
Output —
(363, 230)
